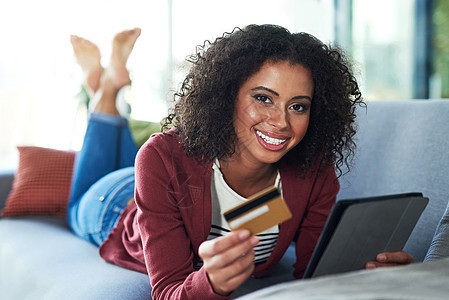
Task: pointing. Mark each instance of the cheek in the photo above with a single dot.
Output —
(300, 129)
(250, 115)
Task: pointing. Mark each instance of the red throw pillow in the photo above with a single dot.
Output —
(41, 183)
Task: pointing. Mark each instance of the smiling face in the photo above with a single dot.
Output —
(272, 112)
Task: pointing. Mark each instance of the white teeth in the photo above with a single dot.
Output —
(270, 140)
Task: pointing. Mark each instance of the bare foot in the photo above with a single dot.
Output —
(88, 57)
(122, 46)
(116, 75)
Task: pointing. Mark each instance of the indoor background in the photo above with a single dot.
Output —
(399, 49)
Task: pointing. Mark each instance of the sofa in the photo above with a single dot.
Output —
(402, 147)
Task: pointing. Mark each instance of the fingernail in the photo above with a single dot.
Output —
(370, 265)
(254, 241)
(381, 258)
(244, 234)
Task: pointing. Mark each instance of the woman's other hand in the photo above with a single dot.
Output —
(228, 260)
(390, 259)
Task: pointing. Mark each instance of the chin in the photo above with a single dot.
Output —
(270, 159)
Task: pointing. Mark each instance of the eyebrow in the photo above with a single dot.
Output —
(277, 94)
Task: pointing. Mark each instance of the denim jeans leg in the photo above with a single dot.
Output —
(107, 146)
(101, 206)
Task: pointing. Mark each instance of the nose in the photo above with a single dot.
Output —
(278, 118)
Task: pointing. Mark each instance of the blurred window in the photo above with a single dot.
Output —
(40, 81)
(382, 46)
(439, 80)
(400, 48)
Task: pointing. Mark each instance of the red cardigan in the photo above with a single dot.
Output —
(160, 234)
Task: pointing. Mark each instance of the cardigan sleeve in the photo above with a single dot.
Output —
(168, 252)
(322, 198)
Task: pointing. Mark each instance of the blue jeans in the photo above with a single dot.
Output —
(103, 177)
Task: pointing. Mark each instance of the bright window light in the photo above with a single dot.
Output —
(39, 78)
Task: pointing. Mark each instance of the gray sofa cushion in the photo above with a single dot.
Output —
(402, 147)
(41, 259)
(44, 260)
(418, 281)
(6, 179)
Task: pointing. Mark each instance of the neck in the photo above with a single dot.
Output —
(246, 179)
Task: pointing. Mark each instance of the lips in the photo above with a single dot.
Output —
(271, 142)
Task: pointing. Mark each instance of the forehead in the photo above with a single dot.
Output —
(283, 75)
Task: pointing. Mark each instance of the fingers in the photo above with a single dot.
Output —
(228, 248)
(229, 260)
(227, 279)
(398, 257)
(390, 259)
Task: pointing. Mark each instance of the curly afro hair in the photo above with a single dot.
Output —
(204, 109)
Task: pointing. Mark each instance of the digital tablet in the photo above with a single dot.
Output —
(359, 229)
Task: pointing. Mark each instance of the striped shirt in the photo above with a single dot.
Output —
(225, 198)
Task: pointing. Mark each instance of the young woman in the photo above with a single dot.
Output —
(260, 107)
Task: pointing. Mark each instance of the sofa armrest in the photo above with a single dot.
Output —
(6, 179)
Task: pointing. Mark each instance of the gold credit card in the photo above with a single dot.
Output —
(262, 211)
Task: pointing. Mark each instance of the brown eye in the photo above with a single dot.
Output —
(262, 98)
(299, 107)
